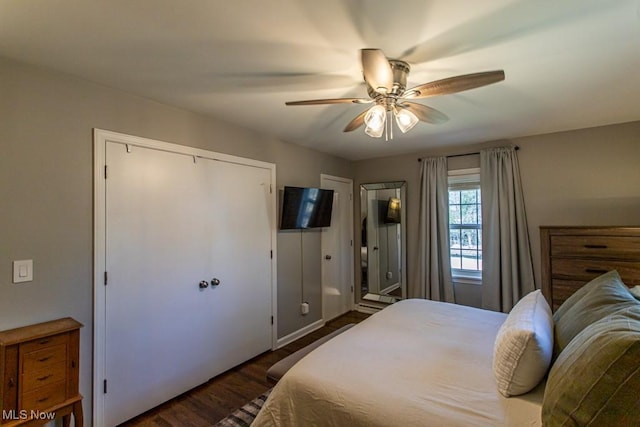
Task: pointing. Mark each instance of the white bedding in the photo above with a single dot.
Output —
(415, 363)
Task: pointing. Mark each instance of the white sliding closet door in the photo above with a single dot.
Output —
(172, 221)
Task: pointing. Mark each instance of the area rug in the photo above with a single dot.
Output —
(244, 416)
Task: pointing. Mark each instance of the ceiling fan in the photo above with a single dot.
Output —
(386, 81)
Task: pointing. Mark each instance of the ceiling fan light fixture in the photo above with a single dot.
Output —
(386, 83)
(375, 120)
(405, 119)
(374, 132)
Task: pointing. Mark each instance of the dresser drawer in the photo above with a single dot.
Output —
(53, 374)
(44, 397)
(42, 343)
(40, 359)
(611, 247)
(587, 269)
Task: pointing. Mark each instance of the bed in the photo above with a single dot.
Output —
(384, 372)
(420, 362)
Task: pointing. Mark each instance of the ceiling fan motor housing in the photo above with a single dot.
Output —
(400, 71)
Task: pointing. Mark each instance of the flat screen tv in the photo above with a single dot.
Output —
(392, 214)
(306, 208)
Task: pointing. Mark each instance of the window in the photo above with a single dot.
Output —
(465, 223)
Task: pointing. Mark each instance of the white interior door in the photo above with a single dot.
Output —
(337, 250)
(157, 315)
(241, 256)
(171, 221)
(373, 239)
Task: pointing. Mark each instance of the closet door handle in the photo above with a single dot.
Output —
(215, 282)
(203, 284)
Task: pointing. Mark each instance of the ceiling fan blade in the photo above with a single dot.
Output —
(454, 84)
(377, 70)
(356, 123)
(424, 113)
(331, 101)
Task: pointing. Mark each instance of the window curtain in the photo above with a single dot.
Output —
(435, 281)
(507, 269)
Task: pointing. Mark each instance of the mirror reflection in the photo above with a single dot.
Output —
(382, 253)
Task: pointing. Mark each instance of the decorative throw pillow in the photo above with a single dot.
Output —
(524, 346)
(635, 291)
(596, 380)
(606, 295)
(577, 295)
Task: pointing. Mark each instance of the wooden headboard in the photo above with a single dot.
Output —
(572, 256)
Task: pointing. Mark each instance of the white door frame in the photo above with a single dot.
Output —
(350, 253)
(100, 140)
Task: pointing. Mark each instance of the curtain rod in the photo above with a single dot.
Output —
(467, 154)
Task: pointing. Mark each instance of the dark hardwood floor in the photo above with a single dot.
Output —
(207, 404)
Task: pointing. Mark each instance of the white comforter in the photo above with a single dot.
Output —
(415, 363)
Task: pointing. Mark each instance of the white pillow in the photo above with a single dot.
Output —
(635, 291)
(524, 346)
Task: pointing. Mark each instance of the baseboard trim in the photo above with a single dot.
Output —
(369, 309)
(300, 333)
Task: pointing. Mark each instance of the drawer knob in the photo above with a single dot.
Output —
(44, 359)
(44, 378)
(44, 341)
(12, 382)
(595, 246)
(44, 399)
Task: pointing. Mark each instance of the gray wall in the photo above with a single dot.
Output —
(583, 177)
(46, 173)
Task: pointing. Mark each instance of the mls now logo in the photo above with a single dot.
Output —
(27, 415)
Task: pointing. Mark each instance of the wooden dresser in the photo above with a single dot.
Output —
(39, 367)
(572, 256)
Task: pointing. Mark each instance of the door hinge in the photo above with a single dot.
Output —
(352, 289)
(270, 189)
(105, 278)
(105, 171)
(271, 254)
(272, 320)
(104, 386)
(351, 242)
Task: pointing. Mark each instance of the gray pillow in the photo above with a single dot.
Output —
(577, 295)
(605, 295)
(596, 380)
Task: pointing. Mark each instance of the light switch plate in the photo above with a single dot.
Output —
(23, 271)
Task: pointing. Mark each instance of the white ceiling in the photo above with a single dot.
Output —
(569, 63)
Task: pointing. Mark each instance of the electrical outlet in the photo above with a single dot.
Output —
(304, 308)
